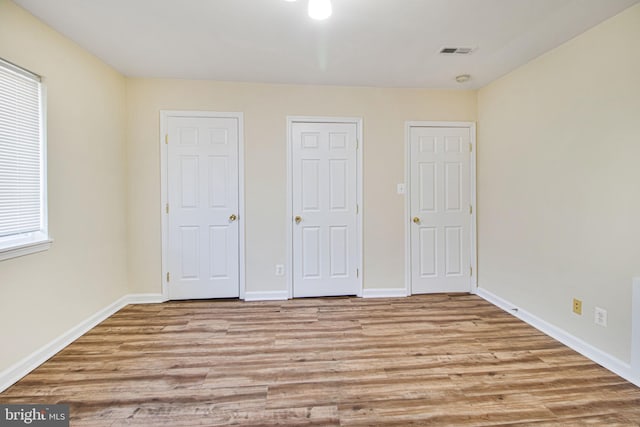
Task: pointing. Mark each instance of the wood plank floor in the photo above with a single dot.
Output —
(431, 360)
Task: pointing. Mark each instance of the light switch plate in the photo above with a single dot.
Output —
(401, 188)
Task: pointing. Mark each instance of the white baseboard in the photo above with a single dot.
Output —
(145, 298)
(606, 360)
(631, 373)
(266, 296)
(14, 373)
(384, 293)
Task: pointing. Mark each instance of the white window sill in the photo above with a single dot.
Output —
(13, 247)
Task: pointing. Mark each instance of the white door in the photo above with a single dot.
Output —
(440, 208)
(324, 200)
(203, 230)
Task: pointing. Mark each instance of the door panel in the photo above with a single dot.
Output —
(440, 201)
(324, 172)
(338, 251)
(219, 237)
(428, 243)
(189, 250)
(202, 180)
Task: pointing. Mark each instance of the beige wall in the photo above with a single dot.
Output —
(43, 295)
(265, 109)
(558, 180)
(559, 183)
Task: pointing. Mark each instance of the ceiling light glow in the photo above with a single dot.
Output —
(320, 9)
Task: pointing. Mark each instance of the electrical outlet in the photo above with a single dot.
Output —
(279, 270)
(600, 317)
(577, 306)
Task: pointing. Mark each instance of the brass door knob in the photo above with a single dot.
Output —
(416, 220)
(298, 219)
(233, 217)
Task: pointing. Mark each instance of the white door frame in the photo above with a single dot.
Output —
(473, 284)
(164, 119)
(289, 218)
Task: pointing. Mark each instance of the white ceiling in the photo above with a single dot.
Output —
(386, 43)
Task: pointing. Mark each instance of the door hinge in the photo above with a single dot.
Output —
(357, 272)
(471, 209)
(357, 144)
(166, 208)
(357, 208)
(470, 147)
(166, 138)
(470, 271)
(168, 276)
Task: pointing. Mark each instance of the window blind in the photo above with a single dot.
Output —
(21, 196)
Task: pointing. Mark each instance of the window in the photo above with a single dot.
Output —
(23, 207)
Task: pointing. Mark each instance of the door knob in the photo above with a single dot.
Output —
(298, 219)
(233, 217)
(416, 220)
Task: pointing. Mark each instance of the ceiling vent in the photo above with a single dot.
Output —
(456, 50)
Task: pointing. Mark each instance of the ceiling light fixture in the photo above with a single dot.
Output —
(463, 78)
(320, 9)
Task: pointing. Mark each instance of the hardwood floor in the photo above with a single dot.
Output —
(425, 360)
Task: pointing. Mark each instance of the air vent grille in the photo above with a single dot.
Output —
(456, 50)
